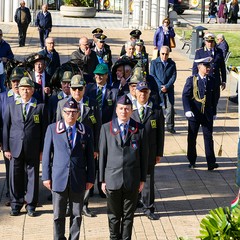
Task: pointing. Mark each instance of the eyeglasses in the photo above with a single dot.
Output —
(77, 88)
(71, 112)
(166, 22)
(165, 54)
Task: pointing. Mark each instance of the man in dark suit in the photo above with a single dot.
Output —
(122, 163)
(199, 105)
(51, 55)
(71, 169)
(85, 58)
(54, 99)
(6, 98)
(44, 24)
(152, 117)
(218, 67)
(89, 116)
(23, 134)
(164, 71)
(41, 79)
(22, 17)
(101, 91)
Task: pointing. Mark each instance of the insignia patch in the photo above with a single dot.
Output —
(93, 119)
(36, 118)
(110, 102)
(153, 124)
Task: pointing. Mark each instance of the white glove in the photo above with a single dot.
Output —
(214, 117)
(189, 114)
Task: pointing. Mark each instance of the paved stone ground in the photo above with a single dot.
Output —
(183, 196)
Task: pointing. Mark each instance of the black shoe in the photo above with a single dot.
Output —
(212, 166)
(191, 166)
(233, 99)
(31, 212)
(152, 216)
(139, 204)
(14, 212)
(172, 131)
(87, 212)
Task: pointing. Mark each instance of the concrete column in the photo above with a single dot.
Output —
(125, 13)
(147, 14)
(136, 14)
(155, 13)
(8, 11)
(163, 11)
(15, 6)
(2, 10)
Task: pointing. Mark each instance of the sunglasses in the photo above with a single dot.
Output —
(165, 54)
(71, 112)
(77, 88)
(166, 22)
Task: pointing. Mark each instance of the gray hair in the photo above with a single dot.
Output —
(130, 44)
(221, 36)
(165, 47)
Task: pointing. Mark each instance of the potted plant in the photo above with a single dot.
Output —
(78, 8)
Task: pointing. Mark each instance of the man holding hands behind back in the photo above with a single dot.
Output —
(71, 170)
(122, 164)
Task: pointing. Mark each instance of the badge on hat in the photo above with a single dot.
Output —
(142, 85)
(71, 103)
(97, 30)
(124, 100)
(26, 82)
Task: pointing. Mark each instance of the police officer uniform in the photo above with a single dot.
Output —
(104, 55)
(199, 105)
(218, 67)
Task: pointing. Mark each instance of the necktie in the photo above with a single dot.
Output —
(70, 136)
(124, 131)
(99, 97)
(39, 79)
(25, 111)
(142, 113)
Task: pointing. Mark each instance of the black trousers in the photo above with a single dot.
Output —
(148, 195)
(207, 128)
(121, 205)
(21, 189)
(43, 34)
(7, 165)
(22, 32)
